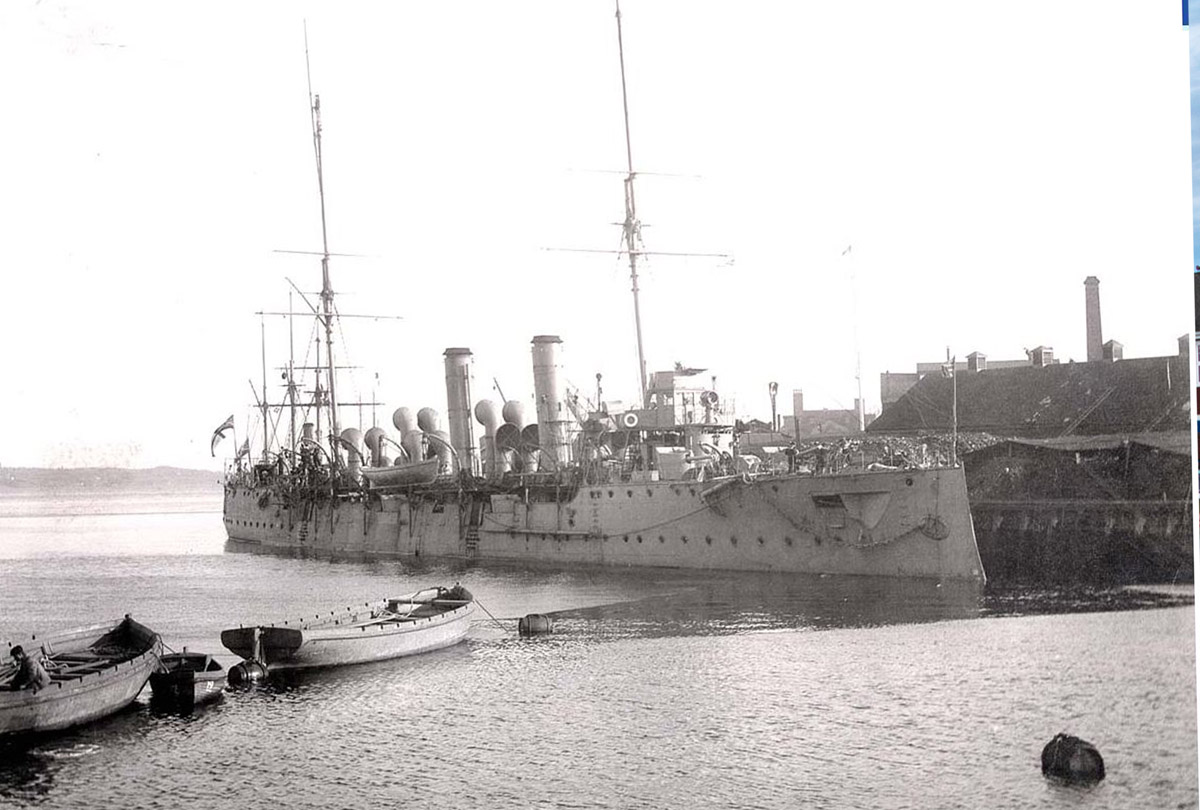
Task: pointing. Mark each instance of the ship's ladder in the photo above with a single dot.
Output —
(471, 529)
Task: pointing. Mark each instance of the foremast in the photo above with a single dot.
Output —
(327, 309)
(631, 227)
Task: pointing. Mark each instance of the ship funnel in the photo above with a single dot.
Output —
(306, 432)
(552, 411)
(514, 413)
(489, 416)
(374, 439)
(429, 420)
(404, 421)
(458, 406)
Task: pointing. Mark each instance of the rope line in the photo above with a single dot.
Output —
(489, 613)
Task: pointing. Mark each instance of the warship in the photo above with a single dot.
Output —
(569, 483)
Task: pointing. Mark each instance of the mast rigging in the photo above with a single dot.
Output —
(326, 286)
(631, 228)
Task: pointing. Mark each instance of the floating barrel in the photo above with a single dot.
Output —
(535, 624)
(1070, 758)
(247, 672)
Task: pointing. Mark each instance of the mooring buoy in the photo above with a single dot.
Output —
(535, 624)
(1070, 758)
(246, 672)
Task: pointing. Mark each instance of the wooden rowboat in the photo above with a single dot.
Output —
(188, 679)
(94, 672)
(389, 628)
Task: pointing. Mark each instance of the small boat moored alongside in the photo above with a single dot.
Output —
(388, 628)
(94, 671)
(187, 679)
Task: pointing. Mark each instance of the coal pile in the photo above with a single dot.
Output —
(900, 452)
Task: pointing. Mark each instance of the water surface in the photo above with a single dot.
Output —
(657, 688)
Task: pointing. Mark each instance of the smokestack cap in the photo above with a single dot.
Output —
(546, 339)
(456, 352)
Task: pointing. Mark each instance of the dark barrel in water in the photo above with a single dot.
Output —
(535, 624)
(247, 672)
(1070, 758)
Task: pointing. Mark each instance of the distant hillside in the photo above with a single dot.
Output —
(15, 480)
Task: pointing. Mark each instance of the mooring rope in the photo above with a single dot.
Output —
(489, 613)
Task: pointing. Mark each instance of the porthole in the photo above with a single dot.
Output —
(733, 540)
(708, 540)
(662, 539)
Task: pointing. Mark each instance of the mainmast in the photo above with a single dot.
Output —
(291, 378)
(262, 325)
(326, 286)
(632, 228)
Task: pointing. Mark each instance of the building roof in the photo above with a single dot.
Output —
(1081, 399)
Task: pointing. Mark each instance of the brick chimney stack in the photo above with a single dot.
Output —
(1095, 339)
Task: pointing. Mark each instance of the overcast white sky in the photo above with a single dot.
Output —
(981, 159)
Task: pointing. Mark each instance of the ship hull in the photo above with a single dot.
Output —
(908, 523)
